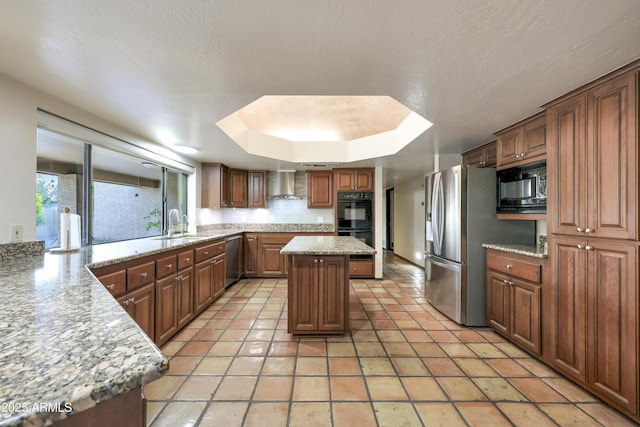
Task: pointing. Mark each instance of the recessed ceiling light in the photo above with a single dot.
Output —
(184, 149)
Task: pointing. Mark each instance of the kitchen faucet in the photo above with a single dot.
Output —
(170, 230)
(185, 223)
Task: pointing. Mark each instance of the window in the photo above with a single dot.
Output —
(119, 196)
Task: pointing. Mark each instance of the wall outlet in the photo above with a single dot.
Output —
(16, 233)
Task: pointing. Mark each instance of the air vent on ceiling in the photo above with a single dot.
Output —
(319, 165)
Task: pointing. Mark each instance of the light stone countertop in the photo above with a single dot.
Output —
(535, 251)
(64, 339)
(326, 245)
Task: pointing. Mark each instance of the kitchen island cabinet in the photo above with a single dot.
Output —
(318, 283)
(318, 294)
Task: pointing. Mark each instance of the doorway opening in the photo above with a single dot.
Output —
(389, 224)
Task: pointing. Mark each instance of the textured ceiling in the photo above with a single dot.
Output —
(169, 69)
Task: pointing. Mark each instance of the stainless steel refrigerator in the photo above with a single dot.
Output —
(460, 215)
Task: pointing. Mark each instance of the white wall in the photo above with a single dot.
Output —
(409, 219)
(18, 140)
(18, 159)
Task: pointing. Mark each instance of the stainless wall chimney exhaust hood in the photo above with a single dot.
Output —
(284, 186)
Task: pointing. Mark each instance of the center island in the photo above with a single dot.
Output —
(318, 283)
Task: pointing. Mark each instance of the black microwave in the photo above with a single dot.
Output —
(523, 189)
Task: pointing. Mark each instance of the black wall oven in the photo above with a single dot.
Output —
(355, 216)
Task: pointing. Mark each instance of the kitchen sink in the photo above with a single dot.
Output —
(180, 237)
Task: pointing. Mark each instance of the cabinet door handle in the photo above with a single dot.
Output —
(588, 248)
(111, 286)
(580, 246)
(506, 281)
(588, 230)
(522, 154)
(315, 260)
(509, 266)
(169, 265)
(187, 259)
(206, 252)
(321, 260)
(144, 274)
(517, 156)
(579, 230)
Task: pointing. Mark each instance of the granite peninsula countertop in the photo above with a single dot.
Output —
(65, 340)
(326, 245)
(535, 251)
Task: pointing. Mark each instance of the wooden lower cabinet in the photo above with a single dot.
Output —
(250, 249)
(202, 288)
(361, 268)
(270, 261)
(128, 409)
(140, 304)
(166, 309)
(594, 318)
(174, 304)
(514, 294)
(218, 275)
(318, 295)
(184, 305)
(209, 282)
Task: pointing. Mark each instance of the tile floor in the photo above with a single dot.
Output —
(404, 364)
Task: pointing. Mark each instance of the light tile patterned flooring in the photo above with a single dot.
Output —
(404, 364)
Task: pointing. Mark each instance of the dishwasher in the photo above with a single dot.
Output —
(233, 257)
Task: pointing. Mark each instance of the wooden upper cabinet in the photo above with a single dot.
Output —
(522, 143)
(566, 166)
(224, 187)
(238, 188)
(320, 189)
(359, 179)
(483, 156)
(257, 189)
(612, 174)
(215, 185)
(593, 162)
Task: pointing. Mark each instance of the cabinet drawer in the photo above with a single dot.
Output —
(185, 259)
(209, 251)
(141, 275)
(116, 283)
(361, 268)
(166, 266)
(514, 267)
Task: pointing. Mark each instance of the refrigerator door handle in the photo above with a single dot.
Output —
(437, 203)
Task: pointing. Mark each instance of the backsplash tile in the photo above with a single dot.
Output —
(277, 212)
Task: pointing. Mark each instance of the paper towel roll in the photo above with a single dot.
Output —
(69, 231)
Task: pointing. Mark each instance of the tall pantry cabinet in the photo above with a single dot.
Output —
(593, 237)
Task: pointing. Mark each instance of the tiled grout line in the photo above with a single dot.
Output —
(388, 288)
